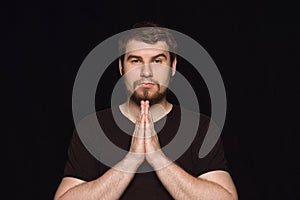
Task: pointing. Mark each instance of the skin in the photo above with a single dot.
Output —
(145, 143)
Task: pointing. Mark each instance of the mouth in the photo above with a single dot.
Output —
(147, 85)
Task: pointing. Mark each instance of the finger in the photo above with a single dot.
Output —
(142, 107)
(138, 123)
(143, 121)
(151, 124)
(139, 127)
(147, 113)
(149, 130)
(146, 107)
(149, 120)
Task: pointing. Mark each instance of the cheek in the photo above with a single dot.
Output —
(162, 75)
(130, 77)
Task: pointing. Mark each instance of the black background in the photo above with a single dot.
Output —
(254, 44)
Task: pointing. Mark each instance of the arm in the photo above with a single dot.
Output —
(212, 185)
(181, 185)
(110, 185)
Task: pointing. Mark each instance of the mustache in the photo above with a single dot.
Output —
(145, 81)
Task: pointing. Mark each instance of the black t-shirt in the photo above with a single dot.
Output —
(83, 165)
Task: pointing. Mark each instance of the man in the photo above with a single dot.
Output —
(147, 67)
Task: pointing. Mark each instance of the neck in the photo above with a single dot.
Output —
(131, 110)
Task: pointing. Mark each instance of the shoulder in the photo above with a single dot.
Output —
(191, 114)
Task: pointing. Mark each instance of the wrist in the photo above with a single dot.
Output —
(158, 160)
(131, 162)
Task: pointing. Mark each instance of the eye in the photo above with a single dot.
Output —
(135, 61)
(157, 61)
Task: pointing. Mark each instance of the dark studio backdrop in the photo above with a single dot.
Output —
(254, 44)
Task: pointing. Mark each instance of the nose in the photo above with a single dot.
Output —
(146, 71)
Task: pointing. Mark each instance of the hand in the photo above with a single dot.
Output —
(145, 143)
(154, 155)
(137, 148)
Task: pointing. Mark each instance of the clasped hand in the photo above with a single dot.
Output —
(145, 143)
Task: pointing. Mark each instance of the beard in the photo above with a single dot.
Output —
(146, 94)
(152, 98)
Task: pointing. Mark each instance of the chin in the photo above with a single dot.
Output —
(152, 98)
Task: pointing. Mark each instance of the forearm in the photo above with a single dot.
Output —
(110, 185)
(182, 185)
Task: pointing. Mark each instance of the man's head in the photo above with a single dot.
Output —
(148, 61)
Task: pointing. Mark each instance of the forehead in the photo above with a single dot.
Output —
(136, 46)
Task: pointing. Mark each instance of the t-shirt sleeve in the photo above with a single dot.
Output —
(215, 159)
(80, 163)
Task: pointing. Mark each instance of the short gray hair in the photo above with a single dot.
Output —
(149, 33)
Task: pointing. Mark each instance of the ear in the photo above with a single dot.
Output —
(120, 67)
(174, 63)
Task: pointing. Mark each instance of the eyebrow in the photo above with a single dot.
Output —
(133, 56)
(154, 57)
(160, 55)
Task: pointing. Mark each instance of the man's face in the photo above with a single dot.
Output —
(147, 69)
